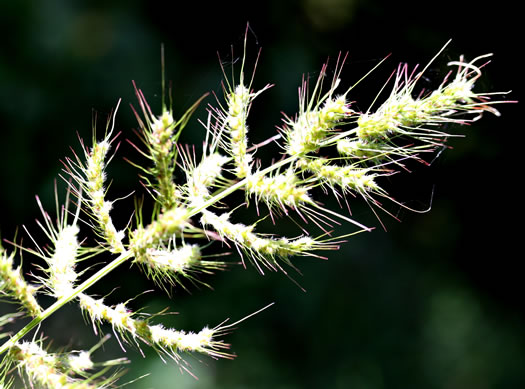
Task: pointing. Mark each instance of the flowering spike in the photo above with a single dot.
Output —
(160, 136)
(167, 341)
(261, 249)
(232, 119)
(59, 370)
(13, 284)
(318, 117)
(404, 115)
(91, 176)
(280, 190)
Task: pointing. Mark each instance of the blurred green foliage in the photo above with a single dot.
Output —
(435, 302)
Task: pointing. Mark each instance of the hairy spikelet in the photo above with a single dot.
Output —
(14, 285)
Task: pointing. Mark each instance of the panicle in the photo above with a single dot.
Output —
(64, 251)
(233, 124)
(317, 154)
(178, 260)
(157, 133)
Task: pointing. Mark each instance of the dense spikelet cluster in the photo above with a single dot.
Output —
(235, 123)
(90, 176)
(59, 370)
(327, 146)
(167, 341)
(201, 178)
(44, 368)
(283, 189)
(13, 283)
(349, 178)
(314, 124)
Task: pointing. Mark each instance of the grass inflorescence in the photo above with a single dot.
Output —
(327, 145)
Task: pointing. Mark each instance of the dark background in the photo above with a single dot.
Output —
(436, 301)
